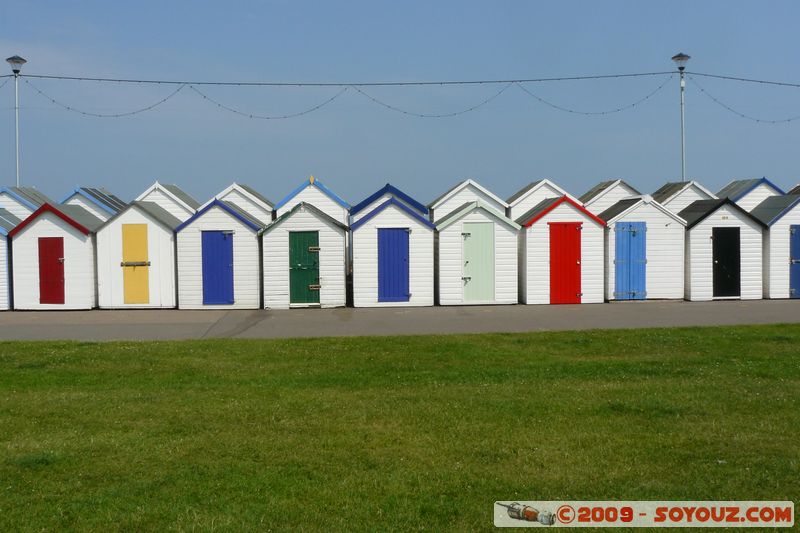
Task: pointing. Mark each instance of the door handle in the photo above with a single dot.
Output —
(578, 262)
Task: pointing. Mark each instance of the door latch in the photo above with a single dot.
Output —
(314, 287)
(313, 248)
(135, 264)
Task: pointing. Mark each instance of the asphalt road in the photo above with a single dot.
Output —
(173, 324)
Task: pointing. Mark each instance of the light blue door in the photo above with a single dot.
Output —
(794, 265)
(630, 261)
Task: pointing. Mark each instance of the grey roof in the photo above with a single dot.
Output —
(774, 207)
(618, 208)
(244, 214)
(32, 195)
(182, 195)
(697, 211)
(794, 190)
(7, 220)
(737, 187)
(445, 193)
(523, 190)
(256, 194)
(158, 213)
(602, 186)
(81, 216)
(105, 197)
(668, 190)
(538, 208)
(321, 214)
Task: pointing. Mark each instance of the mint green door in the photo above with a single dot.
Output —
(478, 257)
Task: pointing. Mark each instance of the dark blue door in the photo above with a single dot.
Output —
(794, 262)
(630, 261)
(393, 265)
(217, 267)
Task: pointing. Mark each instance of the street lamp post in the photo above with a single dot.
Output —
(16, 63)
(680, 60)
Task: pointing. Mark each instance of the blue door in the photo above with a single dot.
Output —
(217, 267)
(794, 263)
(630, 261)
(393, 265)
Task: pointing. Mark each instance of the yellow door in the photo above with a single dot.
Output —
(135, 265)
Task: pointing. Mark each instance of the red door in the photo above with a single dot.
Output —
(565, 262)
(51, 270)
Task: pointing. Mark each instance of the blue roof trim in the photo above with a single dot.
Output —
(762, 181)
(222, 205)
(400, 205)
(95, 201)
(394, 191)
(19, 198)
(319, 185)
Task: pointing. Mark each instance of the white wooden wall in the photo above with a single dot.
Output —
(665, 248)
(756, 196)
(79, 200)
(684, 198)
(14, 207)
(699, 253)
(79, 266)
(160, 252)
(331, 261)
(248, 206)
(246, 262)
(450, 263)
(320, 200)
(466, 194)
(610, 197)
(157, 196)
(533, 199)
(536, 266)
(4, 285)
(777, 255)
(365, 260)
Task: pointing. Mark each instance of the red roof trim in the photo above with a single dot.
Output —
(50, 209)
(573, 203)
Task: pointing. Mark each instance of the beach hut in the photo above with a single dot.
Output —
(52, 259)
(723, 251)
(644, 250)
(531, 195)
(22, 201)
(386, 192)
(749, 193)
(7, 223)
(314, 192)
(219, 259)
(172, 199)
(465, 192)
(561, 254)
(136, 258)
(248, 200)
(305, 259)
(676, 196)
(96, 200)
(476, 259)
(781, 214)
(392, 257)
(605, 194)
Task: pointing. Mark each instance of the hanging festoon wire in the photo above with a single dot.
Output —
(269, 117)
(739, 113)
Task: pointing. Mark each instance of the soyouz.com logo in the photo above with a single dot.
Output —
(644, 514)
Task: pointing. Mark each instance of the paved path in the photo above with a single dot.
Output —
(172, 324)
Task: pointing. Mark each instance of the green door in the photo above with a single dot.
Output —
(478, 259)
(304, 267)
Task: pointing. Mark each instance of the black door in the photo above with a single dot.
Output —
(727, 262)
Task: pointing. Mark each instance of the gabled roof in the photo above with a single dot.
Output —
(254, 193)
(74, 215)
(155, 211)
(603, 187)
(547, 205)
(174, 192)
(465, 209)
(100, 197)
(699, 210)
(392, 191)
(625, 205)
(248, 191)
(463, 185)
(671, 189)
(532, 186)
(7, 221)
(312, 181)
(736, 189)
(773, 208)
(229, 208)
(400, 205)
(794, 190)
(305, 207)
(27, 196)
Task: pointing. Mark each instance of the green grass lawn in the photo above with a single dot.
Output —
(391, 433)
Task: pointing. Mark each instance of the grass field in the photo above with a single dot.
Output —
(391, 433)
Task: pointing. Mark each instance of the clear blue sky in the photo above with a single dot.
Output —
(354, 145)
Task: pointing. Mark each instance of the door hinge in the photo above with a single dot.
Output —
(408, 230)
(466, 234)
(466, 278)
(135, 264)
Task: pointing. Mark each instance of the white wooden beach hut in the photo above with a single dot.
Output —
(172, 198)
(7, 223)
(53, 259)
(676, 196)
(749, 193)
(476, 260)
(781, 248)
(644, 250)
(22, 201)
(393, 257)
(96, 200)
(561, 254)
(304, 258)
(723, 251)
(465, 192)
(314, 192)
(531, 195)
(248, 200)
(136, 258)
(219, 259)
(605, 194)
